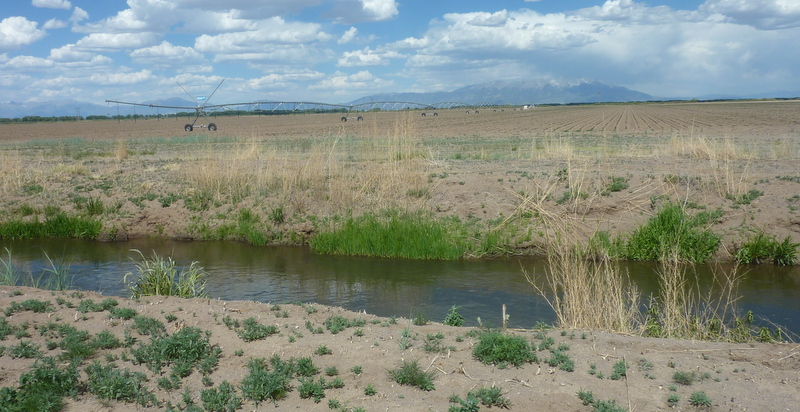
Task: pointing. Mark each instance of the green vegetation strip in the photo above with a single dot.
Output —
(56, 226)
(398, 234)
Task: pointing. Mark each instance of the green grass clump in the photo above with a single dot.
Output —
(122, 313)
(500, 349)
(484, 396)
(672, 230)
(252, 330)
(159, 276)
(120, 385)
(337, 323)
(148, 326)
(25, 349)
(263, 384)
(43, 388)
(411, 374)
(394, 234)
(33, 305)
(221, 399)
(762, 248)
(184, 350)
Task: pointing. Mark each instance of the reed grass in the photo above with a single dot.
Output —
(393, 234)
(8, 273)
(159, 276)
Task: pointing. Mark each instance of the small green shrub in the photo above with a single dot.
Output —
(700, 399)
(33, 305)
(323, 350)
(497, 348)
(252, 330)
(411, 374)
(221, 399)
(684, 378)
(120, 385)
(672, 400)
(620, 370)
(122, 313)
(43, 388)
(369, 390)
(453, 318)
(148, 326)
(184, 350)
(262, 384)
(25, 349)
(311, 388)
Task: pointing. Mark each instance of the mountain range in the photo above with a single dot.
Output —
(517, 92)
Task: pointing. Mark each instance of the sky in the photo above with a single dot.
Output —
(336, 51)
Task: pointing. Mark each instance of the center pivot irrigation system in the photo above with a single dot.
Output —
(202, 108)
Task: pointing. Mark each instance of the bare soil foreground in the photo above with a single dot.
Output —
(733, 377)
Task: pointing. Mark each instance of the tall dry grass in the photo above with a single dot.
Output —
(13, 173)
(683, 310)
(588, 294)
(342, 172)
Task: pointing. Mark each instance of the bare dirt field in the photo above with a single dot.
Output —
(733, 377)
(521, 171)
(495, 165)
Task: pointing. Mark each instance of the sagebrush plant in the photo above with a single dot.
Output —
(159, 276)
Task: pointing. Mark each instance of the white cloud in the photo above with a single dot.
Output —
(274, 81)
(116, 41)
(54, 24)
(341, 83)
(52, 4)
(360, 11)
(367, 57)
(18, 31)
(490, 19)
(167, 55)
(112, 79)
(273, 32)
(28, 63)
(68, 53)
(763, 14)
(348, 36)
(78, 15)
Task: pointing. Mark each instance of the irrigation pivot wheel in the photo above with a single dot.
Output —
(188, 127)
(344, 119)
(212, 127)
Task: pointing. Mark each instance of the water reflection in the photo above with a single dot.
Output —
(385, 287)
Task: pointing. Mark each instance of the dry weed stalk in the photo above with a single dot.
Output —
(683, 310)
(588, 294)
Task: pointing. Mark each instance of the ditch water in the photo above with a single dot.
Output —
(384, 287)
